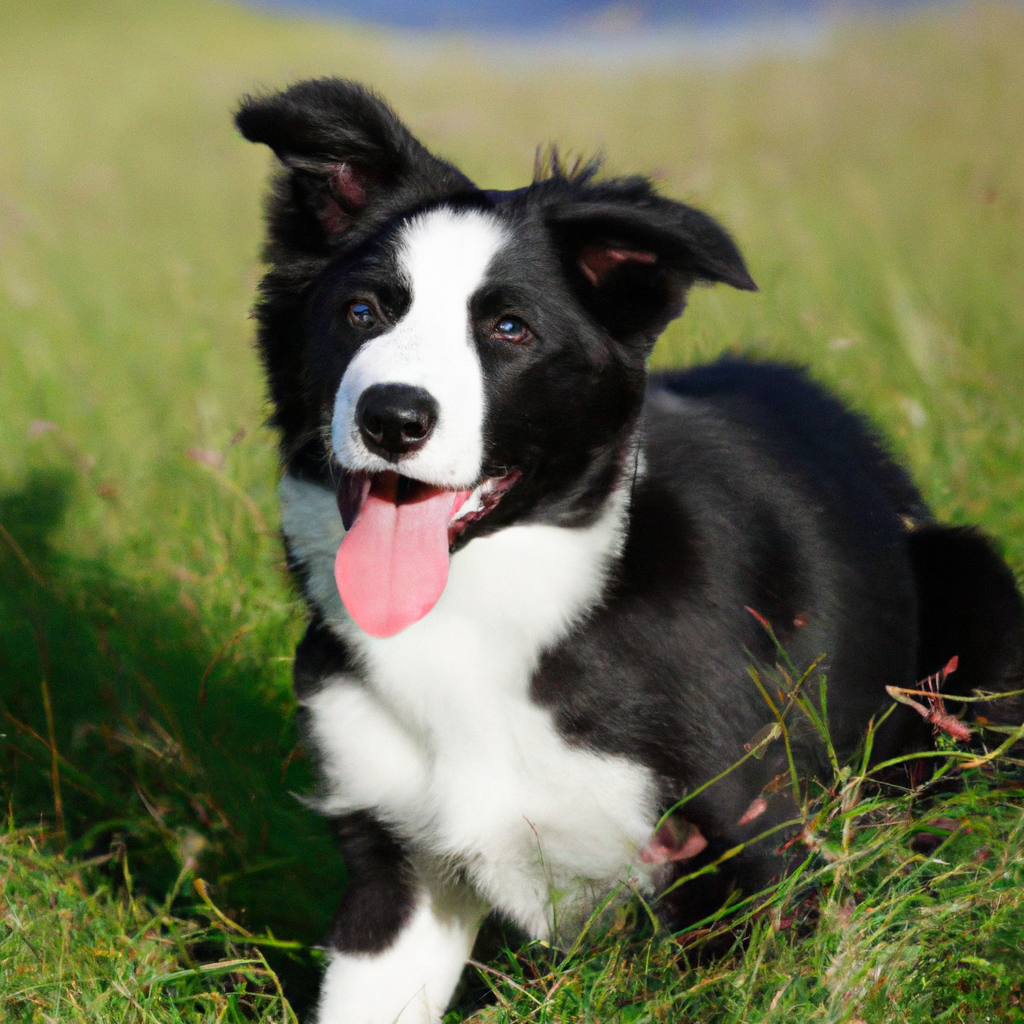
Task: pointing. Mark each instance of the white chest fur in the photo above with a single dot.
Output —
(442, 741)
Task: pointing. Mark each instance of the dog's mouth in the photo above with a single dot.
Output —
(392, 565)
(468, 506)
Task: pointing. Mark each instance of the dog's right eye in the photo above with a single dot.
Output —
(360, 314)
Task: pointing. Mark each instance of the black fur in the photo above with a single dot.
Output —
(969, 606)
(320, 654)
(760, 491)
(378, 899)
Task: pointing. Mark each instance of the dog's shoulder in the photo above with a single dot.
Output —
(762, 499)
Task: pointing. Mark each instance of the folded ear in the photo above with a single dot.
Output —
(346, 154)
(633, 255)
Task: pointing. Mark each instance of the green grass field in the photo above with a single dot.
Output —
(876, 187)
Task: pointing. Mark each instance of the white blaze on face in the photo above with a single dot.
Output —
(443, 255)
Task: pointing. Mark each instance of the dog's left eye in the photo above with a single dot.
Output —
(360, 314)
(511, 328)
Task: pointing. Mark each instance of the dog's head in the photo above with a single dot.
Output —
(455, 360)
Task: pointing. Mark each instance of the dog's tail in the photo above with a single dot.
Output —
(969, 607)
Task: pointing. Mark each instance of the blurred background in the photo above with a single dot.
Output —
(867, 157)
(534, 16)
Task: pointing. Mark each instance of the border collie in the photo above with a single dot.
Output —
(530, 568)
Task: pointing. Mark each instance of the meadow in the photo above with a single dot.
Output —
(156, 864)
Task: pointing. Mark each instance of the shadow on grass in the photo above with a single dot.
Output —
(155, 741)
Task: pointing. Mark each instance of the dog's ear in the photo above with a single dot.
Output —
(633, 255)
(346, 155)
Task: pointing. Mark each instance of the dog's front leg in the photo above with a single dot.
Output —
(401, 937)
(413, 979)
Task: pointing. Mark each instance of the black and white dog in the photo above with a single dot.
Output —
(528, 567)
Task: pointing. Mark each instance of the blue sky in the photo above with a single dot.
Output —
(538, 15)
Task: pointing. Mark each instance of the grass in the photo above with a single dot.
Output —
(873, 930)
(146, 623)
(72, 949)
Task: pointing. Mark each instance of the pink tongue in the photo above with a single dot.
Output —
(393, 564)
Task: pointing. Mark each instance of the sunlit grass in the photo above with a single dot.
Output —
(876, 187)
(902, 911)
(71, 949)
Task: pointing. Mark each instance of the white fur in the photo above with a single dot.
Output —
(444, 742)
(444, 257)
(311, 523)
(411, 981)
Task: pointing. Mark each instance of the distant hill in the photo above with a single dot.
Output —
(542, 15)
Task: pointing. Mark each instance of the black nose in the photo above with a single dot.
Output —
(395, 419)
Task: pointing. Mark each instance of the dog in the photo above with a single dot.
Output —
(536, 578)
